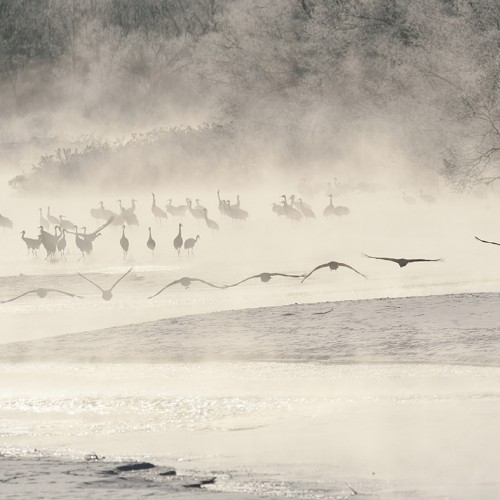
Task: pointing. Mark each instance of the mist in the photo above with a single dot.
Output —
(228, 91)
(316, 141)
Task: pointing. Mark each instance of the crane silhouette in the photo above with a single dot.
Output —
(94, 234)
(53, 220)
(198, 206)
(278, 209)
(49, 242)
(151, 244)
(211, 224)
(101, 212)
(190, 242)
(107, 294)
(333, 265)
(222, 206)
(32, 244)
(185, 282)
(127, 214)
(43, 221)
(195, 212)
(5, 222)
(124, 243)
(80, 243)
(291, 212)
(329, 210)
(65, 224)
(157, 211)
(176, 211)
(340, 210)
(402, 262)
(306, 210)
(178, 240)
(264, 277)
(237, 213)
(61, 243)
(85, 241)
(232, 211)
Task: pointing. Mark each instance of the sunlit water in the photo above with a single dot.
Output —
(269, 428)
(281, 427)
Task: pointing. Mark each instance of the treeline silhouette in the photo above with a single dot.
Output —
(316, 74)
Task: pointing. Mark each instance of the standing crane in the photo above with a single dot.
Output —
(124, 243)
(178, 240)
(151, 244)
(157, 211)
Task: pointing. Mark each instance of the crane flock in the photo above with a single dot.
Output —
(289, 207)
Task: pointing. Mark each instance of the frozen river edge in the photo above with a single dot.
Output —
(456, 329)
(41, 476)
(302, 400)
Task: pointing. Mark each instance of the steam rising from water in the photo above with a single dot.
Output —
(374, 425)
(257, 100)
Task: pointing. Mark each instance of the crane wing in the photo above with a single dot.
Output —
(485, 241)
(424, 260)
(207, 283)
(352, 268)
(164, 288)
(242, 281)
(18, 297)
(107, 223)
(315, 269)
(391, 259)
(94, 233)
(64, 293)
(119, 279)
(90, 281)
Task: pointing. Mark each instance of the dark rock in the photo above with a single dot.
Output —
(135, 466)
(200, 483)
(170, 472)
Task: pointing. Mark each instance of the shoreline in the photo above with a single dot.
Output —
(445, 329)
(38, 474)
